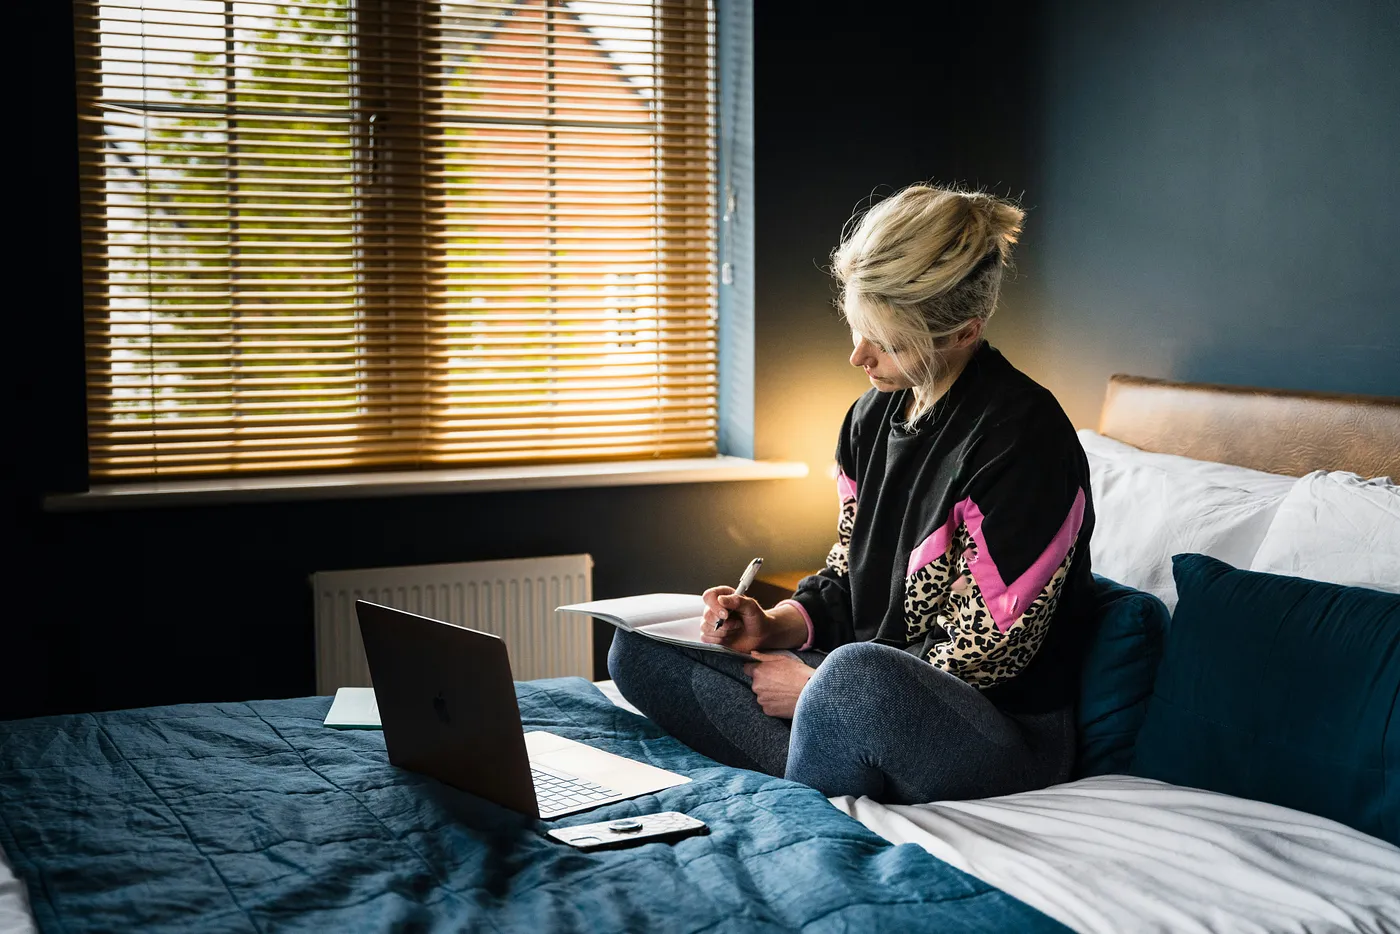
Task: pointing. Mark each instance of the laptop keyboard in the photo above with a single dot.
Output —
(555, 791)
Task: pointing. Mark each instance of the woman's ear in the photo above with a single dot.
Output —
(969, 335)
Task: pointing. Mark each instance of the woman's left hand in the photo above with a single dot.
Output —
(778, 681)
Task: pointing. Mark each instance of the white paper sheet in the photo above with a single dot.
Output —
(354, 709)
(611, 691)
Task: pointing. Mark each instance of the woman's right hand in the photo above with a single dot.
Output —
(743, 624)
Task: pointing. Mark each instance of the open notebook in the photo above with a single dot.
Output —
(666, 617)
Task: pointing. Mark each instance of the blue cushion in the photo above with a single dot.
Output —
(1282, 690)
(1121, 658)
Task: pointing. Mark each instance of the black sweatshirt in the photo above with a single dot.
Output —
(963, 538)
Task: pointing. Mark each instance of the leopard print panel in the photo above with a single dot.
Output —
(838, 559)
(926, 590)
(977, 651)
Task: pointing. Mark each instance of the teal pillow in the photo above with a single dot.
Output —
(1282, 690)
(1124, 646)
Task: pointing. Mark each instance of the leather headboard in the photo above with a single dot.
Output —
(1276, 430)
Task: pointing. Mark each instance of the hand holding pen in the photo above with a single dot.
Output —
(731, 618)
(736, 621)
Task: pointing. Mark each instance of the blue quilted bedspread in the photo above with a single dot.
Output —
(255, 817)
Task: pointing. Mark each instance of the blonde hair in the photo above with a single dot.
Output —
(921, 265)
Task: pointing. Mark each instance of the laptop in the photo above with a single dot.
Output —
(447, 703)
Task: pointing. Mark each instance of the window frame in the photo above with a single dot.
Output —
(735, 332)
(732, 324)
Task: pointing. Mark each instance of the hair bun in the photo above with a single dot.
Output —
(1000, 222)
(928, 249)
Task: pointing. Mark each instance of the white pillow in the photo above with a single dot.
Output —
(1335, 526)
(1148, 507)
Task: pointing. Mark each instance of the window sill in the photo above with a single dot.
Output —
(421, 482)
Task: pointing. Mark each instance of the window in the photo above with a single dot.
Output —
(346, 234)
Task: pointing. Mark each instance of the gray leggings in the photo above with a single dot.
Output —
(872, 721)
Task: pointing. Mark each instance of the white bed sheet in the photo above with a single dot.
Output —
(1116, 854)
(14, 903)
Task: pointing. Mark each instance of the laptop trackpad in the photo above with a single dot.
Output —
(624, 775)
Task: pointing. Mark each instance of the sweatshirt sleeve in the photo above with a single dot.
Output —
(1011, 542)
(824, 598)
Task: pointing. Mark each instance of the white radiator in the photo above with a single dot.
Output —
(513, 599)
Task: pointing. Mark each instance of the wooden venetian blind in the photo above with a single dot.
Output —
(333, 234)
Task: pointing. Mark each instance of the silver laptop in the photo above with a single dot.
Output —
(447, 703)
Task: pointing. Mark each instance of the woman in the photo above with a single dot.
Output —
(937, 654)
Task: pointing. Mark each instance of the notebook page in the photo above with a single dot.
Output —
(686, 632)
(645, 609)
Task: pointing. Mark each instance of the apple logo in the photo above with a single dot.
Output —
(440, 708)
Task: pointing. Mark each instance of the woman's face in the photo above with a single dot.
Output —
(877, 361)
(878, 364)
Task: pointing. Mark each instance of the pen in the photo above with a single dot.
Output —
(745, 580)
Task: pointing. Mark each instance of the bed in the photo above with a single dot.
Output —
(253, 817)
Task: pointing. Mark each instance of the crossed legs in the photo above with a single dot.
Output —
(872, 721)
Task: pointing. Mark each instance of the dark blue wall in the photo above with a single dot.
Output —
(1217, 197)
(1213, 196)
(849, 109)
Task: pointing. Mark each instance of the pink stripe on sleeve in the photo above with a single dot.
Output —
(1007, 602)
(845, 487)
(811, 633)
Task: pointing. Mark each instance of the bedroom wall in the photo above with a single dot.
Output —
(1211, 196)
(1216, 197)
(137, 607)
(850, 110)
